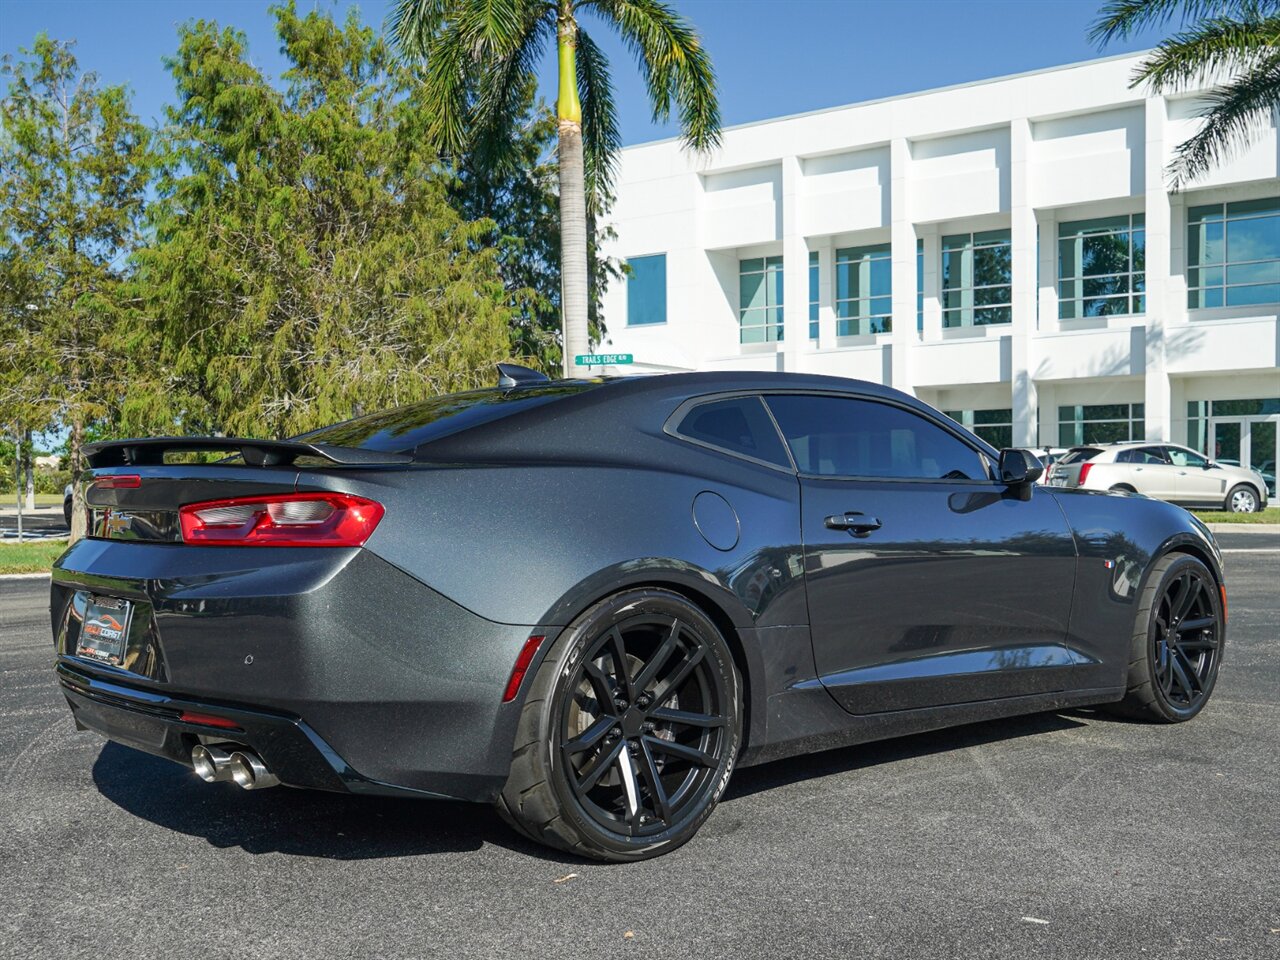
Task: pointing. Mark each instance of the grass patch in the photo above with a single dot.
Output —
(35, 556)
(1269, 515)
(42, 500)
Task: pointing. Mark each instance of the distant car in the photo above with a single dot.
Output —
(1164, 471)
(1266, 470)
(1049, 456)
(67, 498)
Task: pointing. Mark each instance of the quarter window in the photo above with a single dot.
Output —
(737, 425)
(977, 279)
(848, 437)
(864, 301)
(760, 299)
(1101, 267)
(647, 290)
(1233, 254)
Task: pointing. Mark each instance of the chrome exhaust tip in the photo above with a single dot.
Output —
(211, 764)
(249, 772)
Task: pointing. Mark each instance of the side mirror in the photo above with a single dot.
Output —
(1019, 468)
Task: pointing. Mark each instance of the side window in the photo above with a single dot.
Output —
(738, 425)
(1130, 456)
(847, 437)
(1151, 455)
(1184, 458)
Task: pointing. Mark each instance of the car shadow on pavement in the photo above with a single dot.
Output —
(337, 826)
(309, 823)
(778, 773)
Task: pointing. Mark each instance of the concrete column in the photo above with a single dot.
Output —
(1024, 231)
(932, 282)
(1047, 299)
(902, 236)
(795, 268)
(1159, 223)
(826, 293)
(1047, 435)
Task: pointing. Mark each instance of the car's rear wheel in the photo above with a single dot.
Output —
(629, 732)
(1177, 642)
(1242, 499)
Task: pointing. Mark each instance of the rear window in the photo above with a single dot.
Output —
(737, 425)
(405, 428)
(1080, 453)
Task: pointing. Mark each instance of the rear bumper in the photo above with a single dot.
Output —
(342, 672)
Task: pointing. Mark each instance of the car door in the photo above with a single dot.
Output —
(1196, 480)
(1150, 472)
(928, 582)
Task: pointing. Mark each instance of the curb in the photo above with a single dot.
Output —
(1244, 527)
(25, 576)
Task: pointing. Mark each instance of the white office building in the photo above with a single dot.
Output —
(1007, 251)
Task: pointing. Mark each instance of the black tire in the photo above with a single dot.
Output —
(1177, 643)
(604, 806)
(1242, 498)
(66, 511)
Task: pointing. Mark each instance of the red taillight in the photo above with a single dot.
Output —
(521, 668)
(117, 481)
(285, 520)
(1084, 472)
(208, 720)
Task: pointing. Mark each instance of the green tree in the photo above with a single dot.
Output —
(1232, 44)
(75, 164)
(306, 261)
(480, 57)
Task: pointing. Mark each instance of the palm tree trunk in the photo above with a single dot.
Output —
(573, 201)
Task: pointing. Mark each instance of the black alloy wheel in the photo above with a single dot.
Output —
(1177, 643)
(637, 717)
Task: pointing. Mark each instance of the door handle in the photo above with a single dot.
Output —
(859, 524)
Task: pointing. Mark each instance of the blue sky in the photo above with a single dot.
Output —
(772, 57)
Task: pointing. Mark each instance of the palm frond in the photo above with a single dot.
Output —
(601, 139)
(1119, 19)
(1214, 49)
(1235, 112)
(501, 92)
(413, 23)
(673, 62)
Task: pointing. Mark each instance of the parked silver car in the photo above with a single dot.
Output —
(1165, 471)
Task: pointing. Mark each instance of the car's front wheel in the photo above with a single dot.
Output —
(1177, 642)
(629, 732)
(1242, 499)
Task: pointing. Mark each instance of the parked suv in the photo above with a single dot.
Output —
(1165, 471)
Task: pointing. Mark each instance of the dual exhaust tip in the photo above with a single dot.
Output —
(215, 764)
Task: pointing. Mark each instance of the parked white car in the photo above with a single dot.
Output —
(1164, 471)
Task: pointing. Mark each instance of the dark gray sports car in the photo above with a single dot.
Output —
(588, 601)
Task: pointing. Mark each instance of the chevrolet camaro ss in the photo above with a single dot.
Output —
(588, 601)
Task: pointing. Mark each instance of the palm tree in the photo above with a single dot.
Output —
(1232, 44)
(480, 56)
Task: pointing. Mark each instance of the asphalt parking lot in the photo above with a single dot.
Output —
(1060, 835)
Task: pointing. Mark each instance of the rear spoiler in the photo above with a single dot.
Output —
(150, 451)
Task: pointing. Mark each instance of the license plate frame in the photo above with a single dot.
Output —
(104, 631)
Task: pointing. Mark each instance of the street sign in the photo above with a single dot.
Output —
(602, 359)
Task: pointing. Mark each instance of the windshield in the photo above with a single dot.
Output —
(405, 428)
(1081, 453)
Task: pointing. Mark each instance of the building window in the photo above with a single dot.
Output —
(977, 279)
(1233, 254)
(864, 304)
(1101, 267)
(647, 290)
(1101, 423)
(813, 296)
(760, 299)
(993, 426)
(920, 286)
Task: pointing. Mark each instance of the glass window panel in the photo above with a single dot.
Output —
(882, 306)
(1206, 244)
(751, 290)
(774, 287)
(992, 265)
(881, 325)
(1254, 207)
(1105, 432)
(1264, 272)
(739, 425)
(1106, 254)
(1106, 286)
(1253, 295)
(774, 262)
(999, 437)
(881, 273)
(1003, 417)
(993, 236)
(1257, 239)
(953, 270)
(990, 315)
(1205, 299)
(1211, 212)
(754, 265)
(957, 242)
(647, 290)
(986, 296)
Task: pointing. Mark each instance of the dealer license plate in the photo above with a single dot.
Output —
(104, 633)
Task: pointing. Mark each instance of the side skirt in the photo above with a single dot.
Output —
(848, 730)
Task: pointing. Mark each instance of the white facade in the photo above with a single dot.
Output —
(1016, 157)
